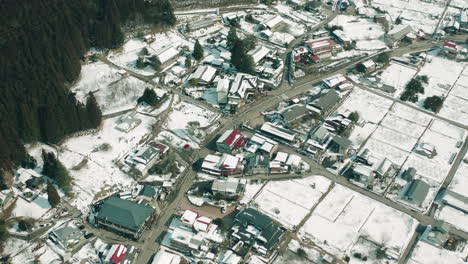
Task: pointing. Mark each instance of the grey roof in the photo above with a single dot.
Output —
(343, 142)
(409, 173)
(269, 230)
(124, 213)
(417, 191)
(230, 185)
(387, 88)
(295, 112)
(148, 191)
(67, 232)
(320, 134)
(328, 100)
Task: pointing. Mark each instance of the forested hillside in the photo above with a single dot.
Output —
(41, 44)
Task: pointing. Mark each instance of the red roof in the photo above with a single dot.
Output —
(119, 254)
(297, 58)
(450, 45)
(315, 58)
(234, 140)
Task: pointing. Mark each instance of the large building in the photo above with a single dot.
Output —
(229, 141)
(120, 216)
(228, 187)
(242, 88)
(257, 230)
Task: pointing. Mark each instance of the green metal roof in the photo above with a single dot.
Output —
(124, 212)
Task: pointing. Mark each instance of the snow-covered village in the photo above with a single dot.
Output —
(301, 131)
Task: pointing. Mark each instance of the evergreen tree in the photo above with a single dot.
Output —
(55, 170)
(188, 62)
(198, 51)
(241, 60)
(3, 231)
(232, 37)
(93, 111)
(29, 162)
(433, 103)
(149, 96)
(52, 195)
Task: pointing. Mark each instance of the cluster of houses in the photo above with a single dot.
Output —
(238, 155)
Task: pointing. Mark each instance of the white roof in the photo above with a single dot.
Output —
(294, 160)
(229, 161)
(363, 170)
(341, 35)
(279, 132)
(464, 16)
(204, 73)
(167, 54)
(26, 174)
(261, 140)
(259, 53)
(202, 223)
(189, 217)
(164, 257)
(241, 83)
(334, 80)
(369, 63)
(272, 21)
(281, 157)
(222, 89)
(230, 258)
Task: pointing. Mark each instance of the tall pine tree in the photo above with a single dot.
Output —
(52, 195)
(93, 111)
(198, 51)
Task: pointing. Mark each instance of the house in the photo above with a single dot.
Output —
(295, 113)
(450, 48)
(265, 34)
(273, 23)
(294, 162)
(141, 160)
(242, 88)
(363, 174)
(370, 66)
(264, 144)
(167, 56)
(230, 257)
(452, 26)
(319, 139)
(25, 175)
(319, 34)
(228, 187)
(415, 192)
(128, 122)
(256, 162)
(221, 165)
(341, 37)
(204, 75)
(323, 47)
(397, 34)
(257, 230)
(115, 255)
(259, 53)
(340, 145)
(325, 102)
(121, 216)
(278, 132)
(66, 236)
(202, 23)
(147, 192)
(229, 141)
(464, 20)
(437, 234)
(198, 222)
(425, 149)
(334, 81)
(165, 257)
(222, 89)
(386, 88)
(409, 174)
(149, 38)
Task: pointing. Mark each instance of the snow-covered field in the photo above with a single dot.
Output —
(421, 15)
(370, 107)
(397, 75)
(456, 104)
(367, 34)
(99, 173)
(183, 113)
(113, 92)
(290, 201)
(424, 253)
(343, 216)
